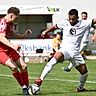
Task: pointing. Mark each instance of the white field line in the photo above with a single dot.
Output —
(65, 80)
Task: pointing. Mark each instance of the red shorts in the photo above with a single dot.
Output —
(9, 53)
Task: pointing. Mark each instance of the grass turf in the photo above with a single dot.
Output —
(57, 83)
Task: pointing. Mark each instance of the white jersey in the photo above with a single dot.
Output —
(85, 40)
(72, 35)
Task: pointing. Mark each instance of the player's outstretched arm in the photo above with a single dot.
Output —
(27, 33)
(50, 29)
(22, 36)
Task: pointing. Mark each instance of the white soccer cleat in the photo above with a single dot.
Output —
(34, 89)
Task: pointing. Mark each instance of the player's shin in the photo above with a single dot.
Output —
(18, 77)
(24, 75)
(83, 79)
(48, 68)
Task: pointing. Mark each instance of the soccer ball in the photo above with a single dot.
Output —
(26, 59)
(34, 89)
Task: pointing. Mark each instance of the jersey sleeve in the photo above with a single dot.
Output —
(62, 23)
(89, 22)
(2, 26)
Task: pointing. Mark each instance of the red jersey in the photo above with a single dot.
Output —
(7, 29)
(5, 51)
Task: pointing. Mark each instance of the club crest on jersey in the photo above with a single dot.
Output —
(72, 31)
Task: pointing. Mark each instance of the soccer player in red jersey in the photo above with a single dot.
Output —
(8, 51)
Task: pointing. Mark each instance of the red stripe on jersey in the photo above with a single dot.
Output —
(5, 27)
(2, 25)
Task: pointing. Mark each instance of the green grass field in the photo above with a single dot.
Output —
(57, 83)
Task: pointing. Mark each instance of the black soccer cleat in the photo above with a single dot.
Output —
(81, 90)
(67, 69)
(25, 91)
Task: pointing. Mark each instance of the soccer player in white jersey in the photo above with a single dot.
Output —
(84, 42)
(73, 31)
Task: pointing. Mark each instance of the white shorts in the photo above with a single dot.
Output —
(74, 57)
(83, 46)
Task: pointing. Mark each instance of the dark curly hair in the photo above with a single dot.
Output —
(73, 12)
(14, 10)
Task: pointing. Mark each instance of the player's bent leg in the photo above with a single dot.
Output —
(84, 74)
(46, 70)
(23, 71)
(50, 64)
(11, 64)
(24, 75)
(48, 67)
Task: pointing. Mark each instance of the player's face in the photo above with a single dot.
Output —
(13, 17)
(73, 19)
(84, 16)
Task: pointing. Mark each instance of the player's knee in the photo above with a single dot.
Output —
(83, 71)
(59, 56)
(14, 69)
(23, 67)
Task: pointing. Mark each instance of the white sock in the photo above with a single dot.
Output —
(24, 86)
(83, 79)
(70, 65)
(48, 68)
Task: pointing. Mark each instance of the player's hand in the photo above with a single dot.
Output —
(17, 47)
(43, 34)
(28, 31)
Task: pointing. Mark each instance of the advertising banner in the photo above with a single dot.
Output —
(30, 46)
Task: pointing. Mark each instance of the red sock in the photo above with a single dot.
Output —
(17, 75)
(25, 78)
